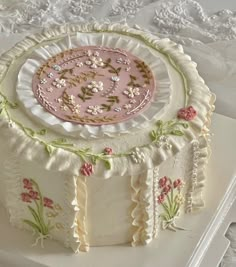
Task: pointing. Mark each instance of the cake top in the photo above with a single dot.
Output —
(94, 85)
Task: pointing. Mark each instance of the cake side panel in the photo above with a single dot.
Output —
(109, 211)
(39, 200)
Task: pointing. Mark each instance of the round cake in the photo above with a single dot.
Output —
(104, 135)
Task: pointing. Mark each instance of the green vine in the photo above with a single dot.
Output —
(162, 128)
(172, 127)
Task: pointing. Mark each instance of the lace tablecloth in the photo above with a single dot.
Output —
(210, 38)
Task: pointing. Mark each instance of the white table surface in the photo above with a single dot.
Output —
(180, 249)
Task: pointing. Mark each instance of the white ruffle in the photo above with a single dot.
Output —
(156, 108)
(142, 213)
(200, 98)
(76, 198)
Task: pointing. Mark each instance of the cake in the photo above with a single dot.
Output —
(104, 135)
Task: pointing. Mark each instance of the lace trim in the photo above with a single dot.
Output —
(201, 154)
(187, 18)
(177, 19)
(155, 206)
(126, 8)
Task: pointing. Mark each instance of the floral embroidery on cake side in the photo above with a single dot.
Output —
(171, 199)
(38, 206)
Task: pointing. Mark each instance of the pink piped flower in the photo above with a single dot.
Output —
(187, 114)
(108, 151)
(162, 182)
(25, 197)
(34, 195)
(47, 202)
(86, 169)
(27, 184)
(160, 198)
(166, 189)
(178, 183)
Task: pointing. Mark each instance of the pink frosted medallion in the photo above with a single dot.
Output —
(94, 85)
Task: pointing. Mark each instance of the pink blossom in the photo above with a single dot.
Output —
(162, 182)
(26, 197)
(27, 184)
(177, 183)
(47, 202)
(108, 150)
(187, 114)
(86, 169)
(33, 194)
(160, 198)
(166, 189)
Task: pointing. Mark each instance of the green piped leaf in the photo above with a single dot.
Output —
(49, 149)
(107, 164)
(42, 132)
(33, 225)
(35, 215)
(159, 123)
(29, 131)
(177, 132)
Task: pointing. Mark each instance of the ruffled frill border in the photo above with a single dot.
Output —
(75, 215)
(198, 95)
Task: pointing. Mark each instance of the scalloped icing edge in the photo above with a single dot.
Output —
(165, 44)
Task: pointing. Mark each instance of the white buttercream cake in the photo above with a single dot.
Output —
(104, 135)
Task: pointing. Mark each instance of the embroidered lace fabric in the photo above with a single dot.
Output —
(210, 39)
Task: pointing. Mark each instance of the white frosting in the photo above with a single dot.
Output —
(131, 186)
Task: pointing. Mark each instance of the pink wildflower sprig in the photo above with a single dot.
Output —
(170, 199)
(27, 184)
(47, 202)
(36, 209)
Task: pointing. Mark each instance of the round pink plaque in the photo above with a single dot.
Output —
(94, 85)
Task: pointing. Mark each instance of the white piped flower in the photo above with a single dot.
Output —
(115, 78)
(117, 109)
(58, 83)
(94, 110)
(56, 67)
(137, 155)
(131, 92)
(76, 109)
(132, 101)
(94, 62)
(43, 81)
(95, 86)
(64, 107)
(50, 89)
(79, 64)
(50, 75)
(88, 53)
(127, 106)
